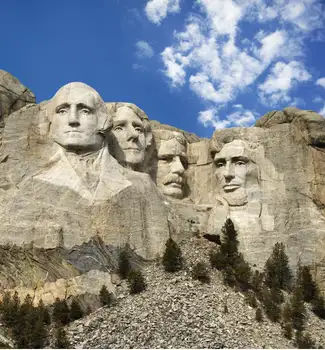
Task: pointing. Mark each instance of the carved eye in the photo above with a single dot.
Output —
(118, 128)
(220, 164)
(85, 111)
(240, 162)
(138, 129)
(62, 111)
(166, 159)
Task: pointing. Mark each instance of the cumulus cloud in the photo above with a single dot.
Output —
(321, 82)
(281, 80)
(157, 10)
(322, 111)
(239, 117)
(217, 60)
(143, 49)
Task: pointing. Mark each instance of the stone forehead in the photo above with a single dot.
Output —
(171, 146)
(233, 149)
(76, 88)
(166, 135)
(115, 106)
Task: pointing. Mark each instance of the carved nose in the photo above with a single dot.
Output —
(132, 134)
(73, 117)
(229, 171)
(177, 166)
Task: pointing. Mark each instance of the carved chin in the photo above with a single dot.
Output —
(236, 198)
(133, 156)
(173, 190)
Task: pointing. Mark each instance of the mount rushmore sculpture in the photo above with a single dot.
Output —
(75, 169)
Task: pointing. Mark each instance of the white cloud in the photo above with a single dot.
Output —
(240, 117)
(157, 10)
(321, 82)
(281, 80)
(322, 111)
(217, 59)
(143, 49)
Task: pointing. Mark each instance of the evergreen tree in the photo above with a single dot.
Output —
(250, 299)
(217, 259)
(200, 272)
(229, 243)
(106, 298)
(287, 330)
(277, 271)
(259, 315)
(44, 312)
(257, 281)
(306, 284)
(61, 312)
(172, 259)
(229, 276)
(136, 282)
(243, 273)
(61, 340)
(318, 305)
(75, 310)
(271, 307)
(298, 311)
(38, 335)
(124, 265)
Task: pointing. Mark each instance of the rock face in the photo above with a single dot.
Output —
(82, 179)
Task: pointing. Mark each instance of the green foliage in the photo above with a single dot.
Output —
(106, 298)
(229, 276)
(277, 271)
(61, 340)
(229, 242)
(298, 311)
(259, 315)
(136, 282)
(172, 259)
(257, 281)
(304, 341)
(44, 313)
(75, 310)
(318, 305)
(287, 330)
(306, 283)
(243, 273)
(124, 265)
(217, 260)
(200, 272)
(61, 312)
(271, 307)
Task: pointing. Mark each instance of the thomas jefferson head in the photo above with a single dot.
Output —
(79, 118)
(130, 135)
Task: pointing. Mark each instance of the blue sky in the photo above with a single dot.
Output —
(197, 65)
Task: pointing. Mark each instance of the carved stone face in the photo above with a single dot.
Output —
(75, 120)
(234, 169)
(172, 162)
(128, 138)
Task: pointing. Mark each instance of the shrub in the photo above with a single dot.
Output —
(271, 308)
(136, 282)
(124, 265)
(229, 245)
(106, 298)
(229, 276)
(304, 341)
(259, 315)
(242, 272)
(44, 312)
(75, 310)
(200, 272)
(298, 310)
(287, 330)
(217, 260)
(250, 299)
(318, 305)
(257, 281)
(172, 259)
(61, 340)
(277, 271)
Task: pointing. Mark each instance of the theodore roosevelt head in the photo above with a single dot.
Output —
(79, 119)
(172, 162)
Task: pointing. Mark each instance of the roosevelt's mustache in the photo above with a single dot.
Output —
(173, 178)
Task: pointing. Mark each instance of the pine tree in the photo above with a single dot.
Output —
(298, 311)
(61, 312)
(124, 265)
(271, 308)
(318, 305)
(243, 273)
(38, 335)
(105, 296)
(61, 340)
(229, 242)
(75, 310)
(259, 315)
(217, 259)
(304, 341)
(44, 312)
(172, 259)
(277, 271)
(287, 330)
(306, 284)
(136, 282)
